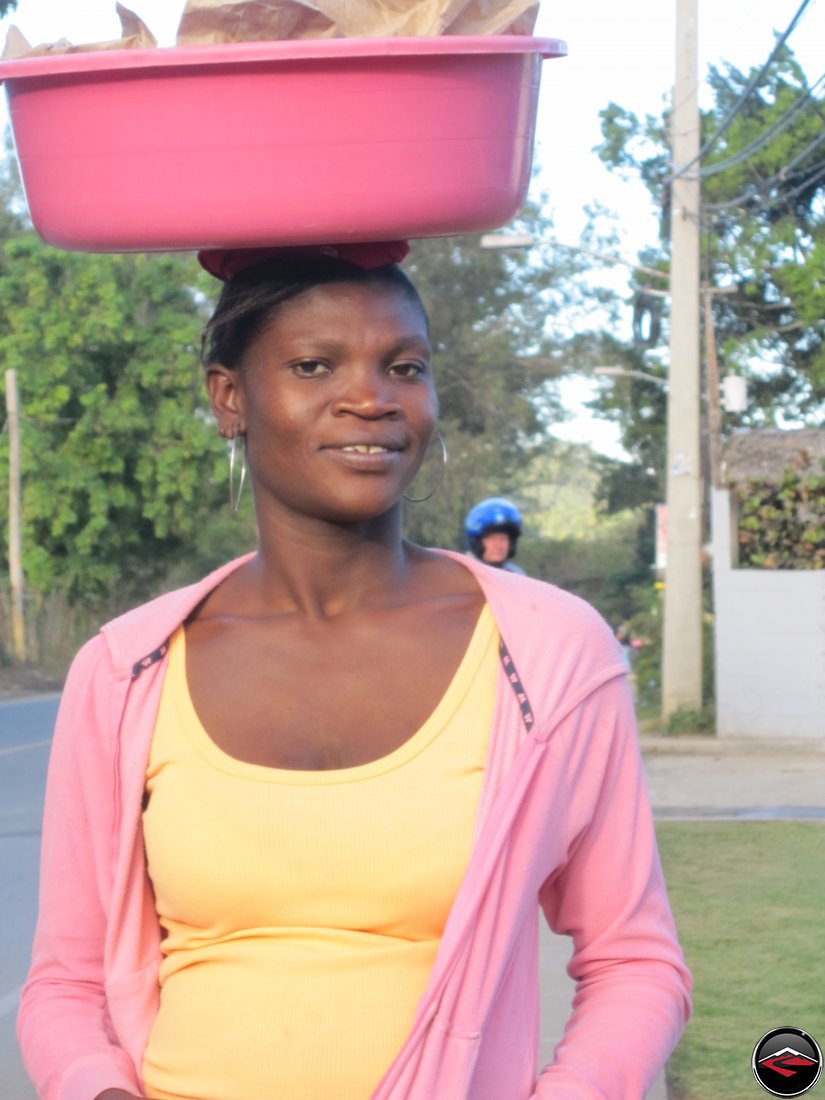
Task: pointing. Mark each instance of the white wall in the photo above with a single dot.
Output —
(770, 644)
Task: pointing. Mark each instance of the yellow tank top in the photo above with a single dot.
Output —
(302, 910)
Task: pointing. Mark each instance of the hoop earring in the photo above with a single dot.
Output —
(235, 495)
(437, 486)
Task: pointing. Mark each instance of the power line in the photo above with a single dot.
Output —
(762, 140)
(744, 21)
(749, 87)
(816, 172)
(757, 190)
(809, 148)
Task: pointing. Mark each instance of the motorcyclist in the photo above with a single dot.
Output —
(493, 527)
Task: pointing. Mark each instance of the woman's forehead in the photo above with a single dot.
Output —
(341, 307)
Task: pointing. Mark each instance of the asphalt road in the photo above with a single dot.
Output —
(25, 736)
(691, 777)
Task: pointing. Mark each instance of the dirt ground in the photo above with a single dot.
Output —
(22, 680)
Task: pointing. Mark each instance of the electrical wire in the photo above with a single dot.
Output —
(751, 85)
(744, 21)
(778, 177)
(816, 172)
(760, 189)
(812, 177)
(777, 128)
(746, 92)
(809, 148)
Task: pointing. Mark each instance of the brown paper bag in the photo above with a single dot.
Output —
(205, 22)
(211, 21)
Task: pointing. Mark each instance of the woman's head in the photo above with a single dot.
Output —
(253, 294)
(324, 368)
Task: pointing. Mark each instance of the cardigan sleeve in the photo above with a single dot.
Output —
(632, 995)
(65, 1035)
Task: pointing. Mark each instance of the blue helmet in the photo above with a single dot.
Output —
(492, 514)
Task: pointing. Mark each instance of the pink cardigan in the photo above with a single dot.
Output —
(564, 824)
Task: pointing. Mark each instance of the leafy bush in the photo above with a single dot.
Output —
(783, 526)
(688, 720)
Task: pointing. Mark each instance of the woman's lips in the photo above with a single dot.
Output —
(365, 456)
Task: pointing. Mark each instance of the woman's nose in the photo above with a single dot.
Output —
(367, 393)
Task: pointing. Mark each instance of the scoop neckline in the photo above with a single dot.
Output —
(455, 692)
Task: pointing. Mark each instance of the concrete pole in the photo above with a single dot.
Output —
(682, 650)
(18, 631)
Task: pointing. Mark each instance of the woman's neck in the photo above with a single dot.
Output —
(323, 569)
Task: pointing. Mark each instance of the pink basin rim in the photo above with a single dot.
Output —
(173, 57)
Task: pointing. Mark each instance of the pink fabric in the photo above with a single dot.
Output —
(564, 826)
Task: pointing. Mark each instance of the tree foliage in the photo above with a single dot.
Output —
(118, 467)
(569, 540)
(763, 250)
(763, 222)
(497, 349)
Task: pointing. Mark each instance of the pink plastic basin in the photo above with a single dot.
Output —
(276, 142)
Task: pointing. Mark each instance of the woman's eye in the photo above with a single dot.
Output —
(407, 370)
(310, 368)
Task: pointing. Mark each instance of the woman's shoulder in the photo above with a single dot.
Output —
(539, 608)
(551, 635)
(134, 635)
(516, 597)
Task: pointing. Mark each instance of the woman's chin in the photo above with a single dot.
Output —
(362, 511)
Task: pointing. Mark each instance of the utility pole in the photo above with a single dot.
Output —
(682, 651)
(18, 632)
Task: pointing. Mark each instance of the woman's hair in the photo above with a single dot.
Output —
(250, 298)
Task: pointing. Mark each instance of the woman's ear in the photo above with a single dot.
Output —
(222, 385)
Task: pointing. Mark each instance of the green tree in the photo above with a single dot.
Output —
(763, 181)
(496, 325)
(766, 236)
(570, 539)
(119, 467)
(763, 242)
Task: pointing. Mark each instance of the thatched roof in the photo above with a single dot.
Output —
(765, 453)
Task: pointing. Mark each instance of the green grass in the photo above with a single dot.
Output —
(749, 901)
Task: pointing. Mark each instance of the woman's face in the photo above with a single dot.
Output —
(336, 399)
(496, 546)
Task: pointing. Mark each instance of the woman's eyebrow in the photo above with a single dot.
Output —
(412, 343)
(330, 345)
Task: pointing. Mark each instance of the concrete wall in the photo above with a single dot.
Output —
(770, 643)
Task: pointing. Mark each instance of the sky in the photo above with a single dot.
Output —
(617, 51)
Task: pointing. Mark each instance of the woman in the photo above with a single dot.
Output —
(302, 816)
